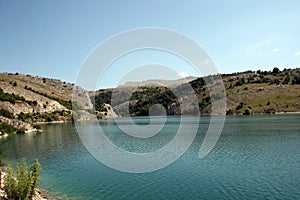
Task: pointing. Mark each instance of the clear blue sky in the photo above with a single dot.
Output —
(52, 38)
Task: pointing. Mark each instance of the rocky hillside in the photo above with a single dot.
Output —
(26, 100)
(247, 93)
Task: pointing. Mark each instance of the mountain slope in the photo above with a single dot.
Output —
(246, 93)
(26, 100)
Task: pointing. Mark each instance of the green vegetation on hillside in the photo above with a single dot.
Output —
(6, 113)
(12, 98)
(247, 93)
(67, 104)
(44, 117)
(6, 128)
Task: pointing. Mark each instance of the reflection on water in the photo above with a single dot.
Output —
(257, 157)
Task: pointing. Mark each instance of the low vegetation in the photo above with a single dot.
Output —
(21, 183)
(67, 104)
(6, 128)
(12, 98)
(44, 117)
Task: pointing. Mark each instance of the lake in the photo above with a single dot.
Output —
(256, 157)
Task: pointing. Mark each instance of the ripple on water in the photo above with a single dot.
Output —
(256, 157)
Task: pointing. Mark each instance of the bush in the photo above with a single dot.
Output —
(229, 112)
(275, 81)
(37, 126)
(6, 113)
(100, 116)
(1, 162)
(286, 80)
(240, 82)
(240, 106)
(22, 130)
(7, 128)
(296, 80)
(247, 112)
(21, 183)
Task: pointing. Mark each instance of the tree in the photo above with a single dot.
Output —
(275, 71)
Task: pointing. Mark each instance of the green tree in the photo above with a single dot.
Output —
(275, 71)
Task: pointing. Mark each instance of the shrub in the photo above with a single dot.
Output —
(1, 162)
(21, 183)
(275, 81)
(229, 112)
(6, 113)
(21, 130)
(100, 116)
(37, 126)
(296, 80)
(247, 112)
(286, 80)
(240, 82)
(240, 106)
(7, 128)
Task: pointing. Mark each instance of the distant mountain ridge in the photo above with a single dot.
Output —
(153, 82)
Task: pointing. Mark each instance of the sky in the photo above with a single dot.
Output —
(53, 38)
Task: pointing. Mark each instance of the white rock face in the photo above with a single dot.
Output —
(110, 113)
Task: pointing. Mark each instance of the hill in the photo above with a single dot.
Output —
(249, 92)
(28, 100)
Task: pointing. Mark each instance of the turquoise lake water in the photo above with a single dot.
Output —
(256, 157)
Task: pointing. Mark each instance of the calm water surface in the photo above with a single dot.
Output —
(256, 157)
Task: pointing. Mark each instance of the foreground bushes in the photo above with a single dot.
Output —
(20, 184)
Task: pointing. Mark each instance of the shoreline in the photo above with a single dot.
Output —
(54, 122)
